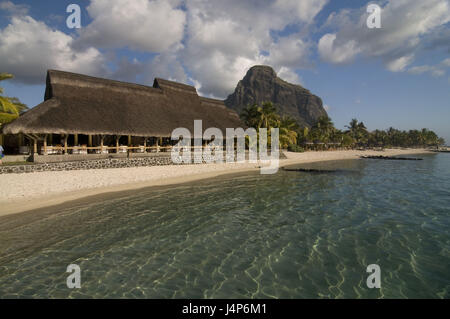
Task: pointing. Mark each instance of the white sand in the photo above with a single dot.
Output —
(22, 192)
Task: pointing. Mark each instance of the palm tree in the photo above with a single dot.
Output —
(363, 134)
(358, 131)
(323, 128)
(353, 127)
(265, 116)
(251, 116)
(269, 116)
(259, 116)
(288, 131)
(302, 134)
(10, 107)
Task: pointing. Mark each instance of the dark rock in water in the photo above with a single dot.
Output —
(261, 84)
(393, 158)
(310, 170)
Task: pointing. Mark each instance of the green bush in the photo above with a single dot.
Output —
(295, 148)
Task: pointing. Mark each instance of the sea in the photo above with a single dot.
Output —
(330, 233)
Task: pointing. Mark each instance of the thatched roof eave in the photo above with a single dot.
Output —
(78, 104)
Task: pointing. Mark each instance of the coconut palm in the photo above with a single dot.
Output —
(259, 116)
(353, 127)
(268, 115)
(303, 135)
(10, 107)
(323, 129)
(358, 131)
(288, 131)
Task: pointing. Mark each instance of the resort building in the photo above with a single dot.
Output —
(84, 116)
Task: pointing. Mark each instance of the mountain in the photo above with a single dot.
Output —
(261, 84)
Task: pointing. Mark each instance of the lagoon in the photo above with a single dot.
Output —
(288, 235)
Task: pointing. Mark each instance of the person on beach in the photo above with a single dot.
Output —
(1, 154)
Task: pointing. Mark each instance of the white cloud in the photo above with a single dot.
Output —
(446, 62)
(289, 76)
(225, 38)
(211, 43)
(406, 24)
(399, 64)
(303, 10)
(331, 52)
(290, 51)
(29, 47)
(435, 70)
(152, 26)
(166, 66)
(438, 73)
(14, 9)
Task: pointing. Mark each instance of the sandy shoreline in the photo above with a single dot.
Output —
(24, 192)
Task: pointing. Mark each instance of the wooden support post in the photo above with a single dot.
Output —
(75, 140)
(117, 143)
(145, 145)
(90, 140)
(102, 138)
(45, 145)
(35, 150)
(129, 140)
(19, 139)
(66, 137)
(157, 145)
(1, 139)
(50, 139)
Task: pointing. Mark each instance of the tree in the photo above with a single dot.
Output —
(353, 127)
(323, 129)
(266, 116)
(302, 135)
(258, 116)
(10, 107)
(288, 131)
(363, 134)
(358, 131)
(269, 116)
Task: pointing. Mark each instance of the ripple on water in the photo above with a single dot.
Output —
(290, 235)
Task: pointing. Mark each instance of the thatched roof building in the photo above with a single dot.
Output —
(79, 104)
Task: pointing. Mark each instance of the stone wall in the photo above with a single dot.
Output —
(155, 160)
(90, 164)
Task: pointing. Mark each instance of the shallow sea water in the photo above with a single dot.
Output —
(289, 235)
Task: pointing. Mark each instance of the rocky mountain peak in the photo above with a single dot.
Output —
(261, 84)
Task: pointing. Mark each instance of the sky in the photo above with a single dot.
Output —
(397, 75)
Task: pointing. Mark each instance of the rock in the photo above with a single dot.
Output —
(392, 158)
(261, 84)
(309, 170)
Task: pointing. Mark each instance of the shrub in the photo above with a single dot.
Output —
(295, 148)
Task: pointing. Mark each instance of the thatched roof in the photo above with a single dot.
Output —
(79, 104)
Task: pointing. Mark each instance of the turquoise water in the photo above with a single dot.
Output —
(290, 235)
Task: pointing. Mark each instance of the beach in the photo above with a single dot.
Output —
(24, 192)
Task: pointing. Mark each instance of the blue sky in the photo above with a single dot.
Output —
(397, 76)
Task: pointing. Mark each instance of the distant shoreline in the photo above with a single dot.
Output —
(25, 192)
